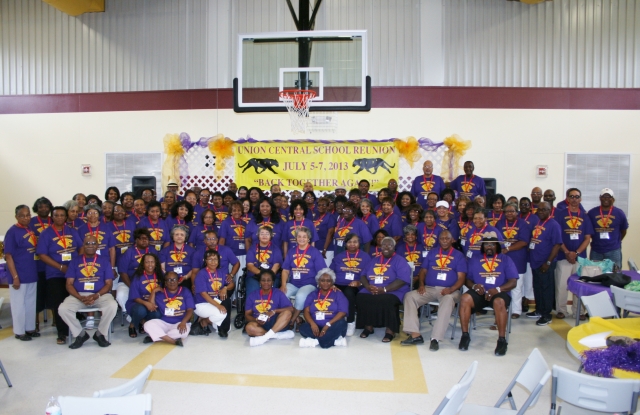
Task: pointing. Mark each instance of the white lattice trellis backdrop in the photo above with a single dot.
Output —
(202, 164)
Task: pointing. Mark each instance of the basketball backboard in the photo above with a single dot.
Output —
(331, 63)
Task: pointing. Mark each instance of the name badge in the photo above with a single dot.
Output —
(169, 312)
(97, 251)
(379, 280)
(469, 253)
(490, 280)
(340, 242)
(424, 254)
(177, 270)
(463, 242)
(240, 246)
(88, 286)
(574, 236)
(532, 245)
(263, 317)
(319, 315)
(36, 258)
(604, 235)
(442, 276)
(296, 275)
(349, 276)
(66, 257)
(158, 247)
(264, 265)
(123, 249)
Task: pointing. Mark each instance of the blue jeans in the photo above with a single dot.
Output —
(300, 294)
(615, 256)
(139, 312)
(337, 329)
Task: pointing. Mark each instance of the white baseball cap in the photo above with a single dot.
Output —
(442, 203)
(605, 191)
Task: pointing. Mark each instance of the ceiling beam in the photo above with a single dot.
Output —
(77, 7)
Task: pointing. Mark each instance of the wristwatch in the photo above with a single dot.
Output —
(328, 324)
(498, 289)
(548, 262)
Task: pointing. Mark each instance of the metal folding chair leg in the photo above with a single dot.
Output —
(4, 372)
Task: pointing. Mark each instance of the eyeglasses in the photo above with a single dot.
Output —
(575, 196)
(171, 280)
(606, 197)
(211, 258)
(210, 239)
(90, 243)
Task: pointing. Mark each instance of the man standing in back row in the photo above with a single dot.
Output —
(469, 184)
(425, 184)
(610, 227)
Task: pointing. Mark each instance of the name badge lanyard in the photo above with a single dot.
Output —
(325, 299)
(509, 229)
(540, 226)
(140, 254)
(124, 228)
(62, 238)
(155, 280)
(211, 276)
(42, 225)
(265, 303)
(493, 265)
(296, 226)
(606, 221)
(427, 238)
(299, 259)
(319, 220)
(493, 217)
(415, 248)
(354, 257)
(261, 255)
(574, 221)
(175, 250)
(340, 229)
(470, 182)
(384, 221)
(383, 267)
(92, 266)
(169, 299)
(475, 233)
(448, 257)
(241, 226)
(427, 183)
(30, 232)
(154, 230)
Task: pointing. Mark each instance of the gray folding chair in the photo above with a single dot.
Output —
(95, 320)
(599, 305)
(425, 310)
(626, 300)
(475, 324)
(4, 373)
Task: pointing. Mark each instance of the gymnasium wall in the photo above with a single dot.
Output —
(42, 153)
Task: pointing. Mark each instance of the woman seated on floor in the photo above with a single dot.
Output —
(385, 282)
(268, 312)
(175, 305)
(144, 281)
(213, 304)
(325, 311)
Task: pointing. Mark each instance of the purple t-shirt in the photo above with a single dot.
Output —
(421, 187)
(531, 219)
(513, 232)
(89, 273)
(159, 233)
(428, 237)
(141, 287)
(323, 308)
(468, 187)
(473, 240)
(344, 228)
(383, 271)
(259, 303)
(134, 220)
(233, 232)
(264, 257)
(210, 283)
(121, 237)
(227, 258)
(391, 223)
(179, 261)
(289, 232)
(38, 225)
(178, 302)
(451, 225)
(303, 266)
(277, 228)
(607, 227)
(196, 237)
(372, 223)
(284, 214)
(574, 226)
(544, 237)
(411, 254)
(101, 232)
(349, 267)
(62, 247)
(170, 222)
(21, 244)
(491, 272)
(75, 224)
(322, 224)
(130, 260)
(443, 267)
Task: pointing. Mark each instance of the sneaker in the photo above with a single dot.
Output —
(257, 341)
(409, 341)
(308, 342)
(464, 342)
(79, 341)
(340, 341)
(543, 321)
(351, 328)
(533, 314)
(434, 346)
(91, 323)
(501, 348)
(285, 335)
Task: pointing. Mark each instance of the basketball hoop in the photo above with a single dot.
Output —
(297, 102)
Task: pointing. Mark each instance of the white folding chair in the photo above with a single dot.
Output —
(599, 305)
(95, 320)
(632, 265)
(452, 402)
(593, 393)
(475, 324)
(626, 300)
(133, 387)
(122, 405)
(4, 373)
(533, 375)
(1, 301)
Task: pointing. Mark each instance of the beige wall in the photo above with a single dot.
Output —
(42, 153)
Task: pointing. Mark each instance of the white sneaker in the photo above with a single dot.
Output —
(285, 335)
(257, 341)
(340, 341)
(308, 342)
(90, 324)
(351, 328)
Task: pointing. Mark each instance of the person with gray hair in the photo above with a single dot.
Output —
(411, 250)
(325, 310)
(73, 209)
(299, 269)
(95, 227)
(180, 257)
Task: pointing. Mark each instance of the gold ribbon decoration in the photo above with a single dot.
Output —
(171, 167)
(456, 148)
(222, 148)
(409, 149)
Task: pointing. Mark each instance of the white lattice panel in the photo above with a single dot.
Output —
(202, 164)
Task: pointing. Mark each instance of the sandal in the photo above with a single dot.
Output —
(141, 328)
(366, 333)
(132, 332)
(388, 337)
(61, 340)
(299, 322)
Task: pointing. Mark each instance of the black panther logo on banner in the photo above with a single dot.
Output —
(368, 164)
(262, 164)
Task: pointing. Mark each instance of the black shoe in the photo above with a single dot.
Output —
(102, 342)
(147, 340)
(32, 334)
(525, 305)
(533, 314)
(412, 340)
(196, 330)
(141, 328)
(179, 343)
(434, 346)
(23, 337)
(79, 341)
(543, 321)
(501, 348)
(464, 342)
(223, 333)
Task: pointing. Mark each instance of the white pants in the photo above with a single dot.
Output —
(122, 295)
(243, 263)
(563, 271)
(157, 328)
(527, 283)
(206, 310)
(516, 295)
(329, 259)
(23, 307)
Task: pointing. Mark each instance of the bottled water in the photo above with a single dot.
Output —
(53, 408)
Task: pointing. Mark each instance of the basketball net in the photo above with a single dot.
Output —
(297, 102)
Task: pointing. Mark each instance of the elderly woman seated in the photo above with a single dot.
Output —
(325, 314)
(384, 283)
(175, 305)
(143, 281)
(267, 312)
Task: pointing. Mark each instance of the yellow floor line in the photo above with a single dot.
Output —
(561, 327)
(407, 373)
(6, 332)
